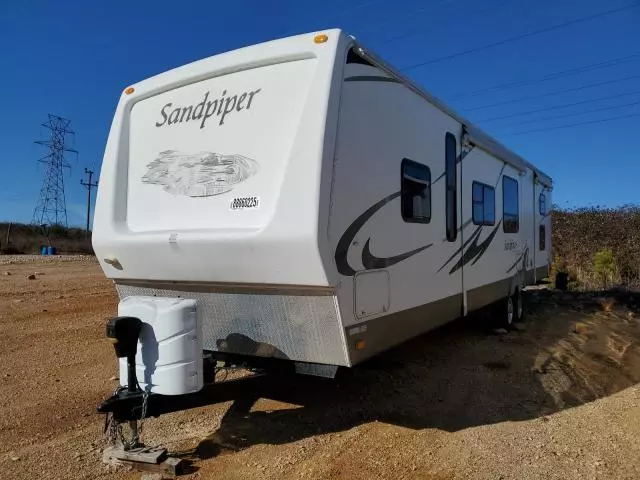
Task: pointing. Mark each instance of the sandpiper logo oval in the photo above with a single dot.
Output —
(199, 174)
(220, 107)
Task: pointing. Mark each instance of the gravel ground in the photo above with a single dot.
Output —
(45, 259)
(556, 399)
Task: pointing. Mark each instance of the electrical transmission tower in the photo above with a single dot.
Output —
(52, 208)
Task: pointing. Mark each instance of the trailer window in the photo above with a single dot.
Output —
(510, 207)
(451, 178)
(543, 237)
(542, 204)
(484, 204)
(415, 192)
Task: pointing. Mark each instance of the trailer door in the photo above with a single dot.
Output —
(527, 234)
(542, 232)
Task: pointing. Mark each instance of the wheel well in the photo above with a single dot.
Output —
(517, 282)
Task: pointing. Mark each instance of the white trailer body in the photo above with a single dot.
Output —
(311, 204)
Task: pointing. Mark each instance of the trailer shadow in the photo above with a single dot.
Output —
(572, 348)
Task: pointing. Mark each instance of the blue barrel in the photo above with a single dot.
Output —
(43, 249)
(51, 250)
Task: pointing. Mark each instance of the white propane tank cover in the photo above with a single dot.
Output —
(169, 356)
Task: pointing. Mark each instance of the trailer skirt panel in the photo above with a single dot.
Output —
(271, 323)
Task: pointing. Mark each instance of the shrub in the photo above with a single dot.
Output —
(598, 247)
(604, 267)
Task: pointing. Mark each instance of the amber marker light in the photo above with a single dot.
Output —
(129, 90)
(360, 345)
(320, 38)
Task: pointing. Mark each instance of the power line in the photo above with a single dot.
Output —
(433, 8)
(357, 7)
(550, 76)
(594, 110)
(556, 107)
(339, 12)
(525, 35)
(550, 94)
(591, 122)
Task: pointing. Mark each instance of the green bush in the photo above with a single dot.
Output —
(604, 266)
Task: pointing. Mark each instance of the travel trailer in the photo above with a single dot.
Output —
(303, 202)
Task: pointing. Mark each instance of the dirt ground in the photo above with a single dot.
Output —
(557, 399)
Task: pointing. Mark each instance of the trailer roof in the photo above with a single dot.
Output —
(476, 135)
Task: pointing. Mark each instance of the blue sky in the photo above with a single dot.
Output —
(73, 58)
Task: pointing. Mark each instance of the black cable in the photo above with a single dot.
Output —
(340, 12)
(550, 94)
(455, 18)
(357, 7)
(550, 76)
(602, 120)
(424, 8)
(556, 107)
(594, 110)
(520, 37)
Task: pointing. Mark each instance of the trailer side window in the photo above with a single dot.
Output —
(510, 207)
(543, 237)
(484, 204)
(451, 178)
(415, 192)
(542, 204)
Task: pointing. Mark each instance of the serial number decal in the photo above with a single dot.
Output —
(242, 203)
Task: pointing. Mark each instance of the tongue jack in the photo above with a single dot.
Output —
(123, 333)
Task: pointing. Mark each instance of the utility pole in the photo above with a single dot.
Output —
(9, 234)
(89, 186)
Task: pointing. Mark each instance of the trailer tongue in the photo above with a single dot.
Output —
(132, 404)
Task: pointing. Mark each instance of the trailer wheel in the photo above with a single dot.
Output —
(519, 305)
(508, 312)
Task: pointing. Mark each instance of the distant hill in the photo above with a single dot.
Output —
(28, 239)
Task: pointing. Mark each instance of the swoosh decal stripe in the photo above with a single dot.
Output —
(475, 251)
(371, 262)
(342, 249)
(368, 260)
(465, 224)
(473, 237)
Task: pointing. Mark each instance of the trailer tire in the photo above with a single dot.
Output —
(508, 312)
(518, 303)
